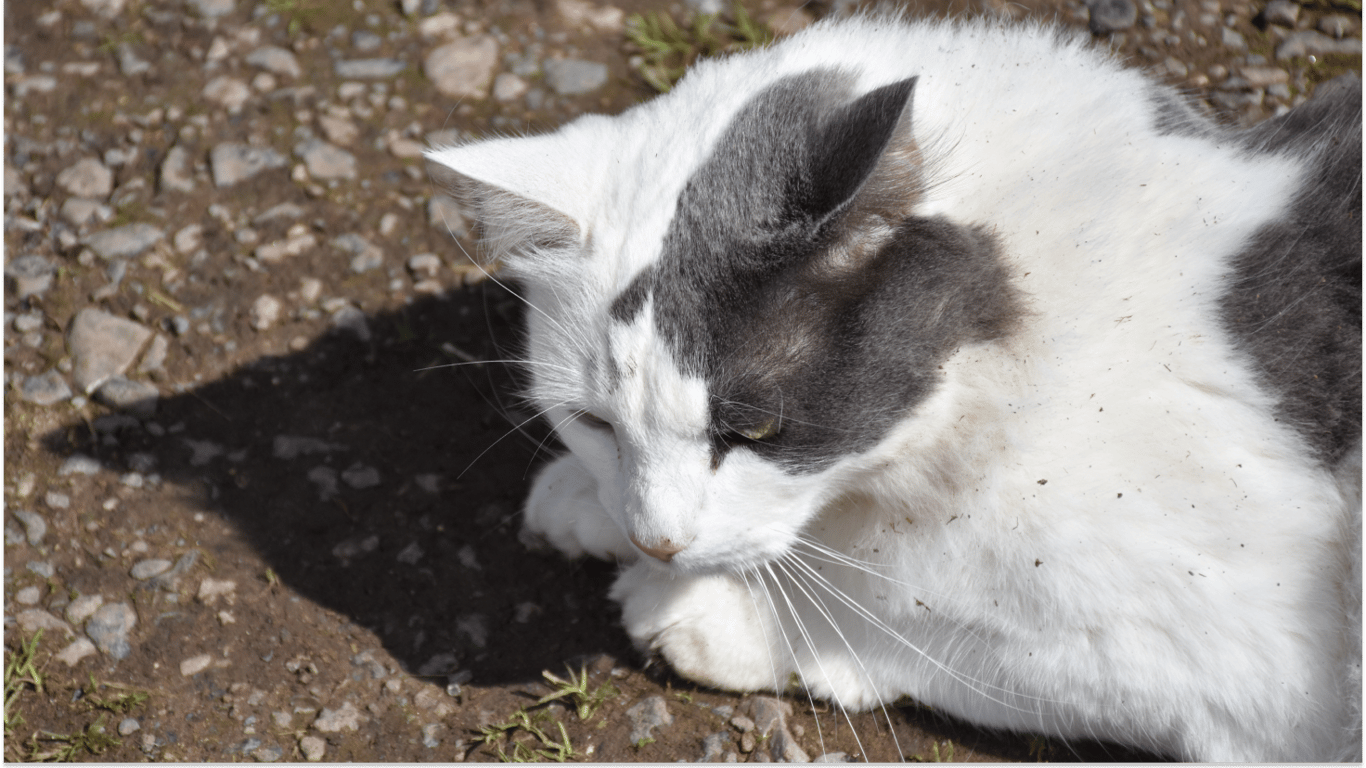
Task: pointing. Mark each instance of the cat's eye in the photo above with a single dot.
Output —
(762, 432)
(596, 422)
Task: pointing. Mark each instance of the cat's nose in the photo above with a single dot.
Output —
(663, 550)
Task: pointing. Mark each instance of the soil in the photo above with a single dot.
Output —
(408, 602)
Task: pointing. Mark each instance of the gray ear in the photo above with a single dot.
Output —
(510, 224)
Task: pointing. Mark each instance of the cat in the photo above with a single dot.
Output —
(955, 360)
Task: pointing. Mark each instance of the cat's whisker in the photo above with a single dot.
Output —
(778, 689)
(507, 361)
(515, 429)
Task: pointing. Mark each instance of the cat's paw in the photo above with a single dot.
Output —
(707, 627)
(563, 511)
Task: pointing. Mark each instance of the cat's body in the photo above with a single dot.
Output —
(956, 361)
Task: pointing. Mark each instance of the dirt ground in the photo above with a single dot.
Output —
(338, 507)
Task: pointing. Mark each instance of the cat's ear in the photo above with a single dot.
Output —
(513, 188)
(863, 154)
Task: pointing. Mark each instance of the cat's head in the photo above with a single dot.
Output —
(732, 304)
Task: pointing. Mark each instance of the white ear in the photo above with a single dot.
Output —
(526, 192)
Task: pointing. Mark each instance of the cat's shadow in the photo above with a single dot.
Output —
(419, 541)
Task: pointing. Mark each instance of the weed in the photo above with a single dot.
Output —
(531, 723)
(668, 49)
(272, 579)
(20, 671)
(935, 755)
(120, 704)
(64, 748)
(642, 742)
(576, 689)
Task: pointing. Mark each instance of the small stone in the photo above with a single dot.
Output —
(265, 311)
(79, 464)
(742, 724)
(35, 527)
(369, 69)
(87, 178)
(213, 9)
(1282, 12)
(509, 87)
(1309, 43)
(103, 346)
(154, 359)
(56, 501)
(77, 650)
(83, 607)
(135, 397)
(45, 389)
(267, 754)
(326, 161)
(28, 596)
(714, 747)
(600, 18)
(1261, 77)
(326, 480)
(424, 264)
(124, 242)
(474, 626)
(463, 68)
(339, 130)
(429, 735)
(130, 64)
(359, 476)
(202, 451)
(1336, 25)
(128, 725)
(232, 163)
(444, 213)
(313, 747)
(109, 628)
(1175, 67)
(227, 92)
(355, 547)
(80, 211)
(35, 619)
(30, 275)
(646, 716)
(106, 8)
(177, 171)
(365, 255)
(280, 61)
(146, 569)
(195, 664)
(572, 77)
(1111, 15)
(1233, 39)
(351, 319)
(832, 757)
(344, 718)
(210, 589)
(410, 554)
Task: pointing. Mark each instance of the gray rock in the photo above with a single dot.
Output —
(109, 627)
(714, 746)
(79, 464)
(103, 346)
(1336, 25)
(280, 61)
(349, 318)
(1233, 39)
(28, 596)
(1111, 15)
(509, 87)
(124, 242)
(1282, 12)
(106, 8)
(707, 6)
(45, 389)
(267, 754)
(366, 41)
(87, 178)
(29, 275)
(35, 527)
(646, 716)
(83, 608)
(129, 725)
(80, 211)
(360, 476)
(1261, 77)
(155, 357)
(212, 9)
(77, 650)
(573, 77)
(313, 747)
(369, 69)
(35, 619)
(232, 163)
(136, 397)
(289, 446)
(365, 255)
(146, 569)
(1310, 43)
(1175, 66)
(429, 735)
(344, 718)
(130, 64)
(326, 480)
(265, 311)
(176, 175)
(463, 68)
(833, 757)
(445, 213)
(170, 580)
(227, 92)
(326, 161)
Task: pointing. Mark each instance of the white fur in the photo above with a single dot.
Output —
(1187, 578)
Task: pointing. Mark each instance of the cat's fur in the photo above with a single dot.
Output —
(958, 361)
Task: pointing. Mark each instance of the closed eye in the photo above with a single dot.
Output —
(596, 422)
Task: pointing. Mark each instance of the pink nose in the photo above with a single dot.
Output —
(663, 551)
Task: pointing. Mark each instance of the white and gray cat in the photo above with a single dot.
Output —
(957, 361)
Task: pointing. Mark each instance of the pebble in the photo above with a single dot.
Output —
(30, 275)
(344, 718)
(213, 9)
(267, 754)
(80, 211)
(1336, 25)
(573, 77)
(146, 569)
(429, 735)
(35, 619)
(365, 254)
(360, 476)
(103, 346)
(124, 242)
(339, 130)
(202, 451)
(1307, 42)
(265, 311)
(211, 589)
(154, 359)
(325, 161)
(135, 397)
(647, 715)
(56, 501)
(109, 627)
(28, 596)
(603, 18)
(195, 664)
(87, 178)
(128, 726)
(463, 68)
(232, 163)
(509, 87)
(1111, 15)
(474, 626)
(130, 64)
(280, 61)
(228, 92)
(313, 747)
(326, 480)
(833, 757)
(79, 464)
(300, 241)
(176, 171)
(1282, 12)
(35, 527)
(83, 607)
(1233, 39)
(714, 747)
(369, 69)
(45, 389)
(77, 650)
(355, 547)
(410, 554)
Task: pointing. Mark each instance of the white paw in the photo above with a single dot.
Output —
(563, 510)
(708, 627)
